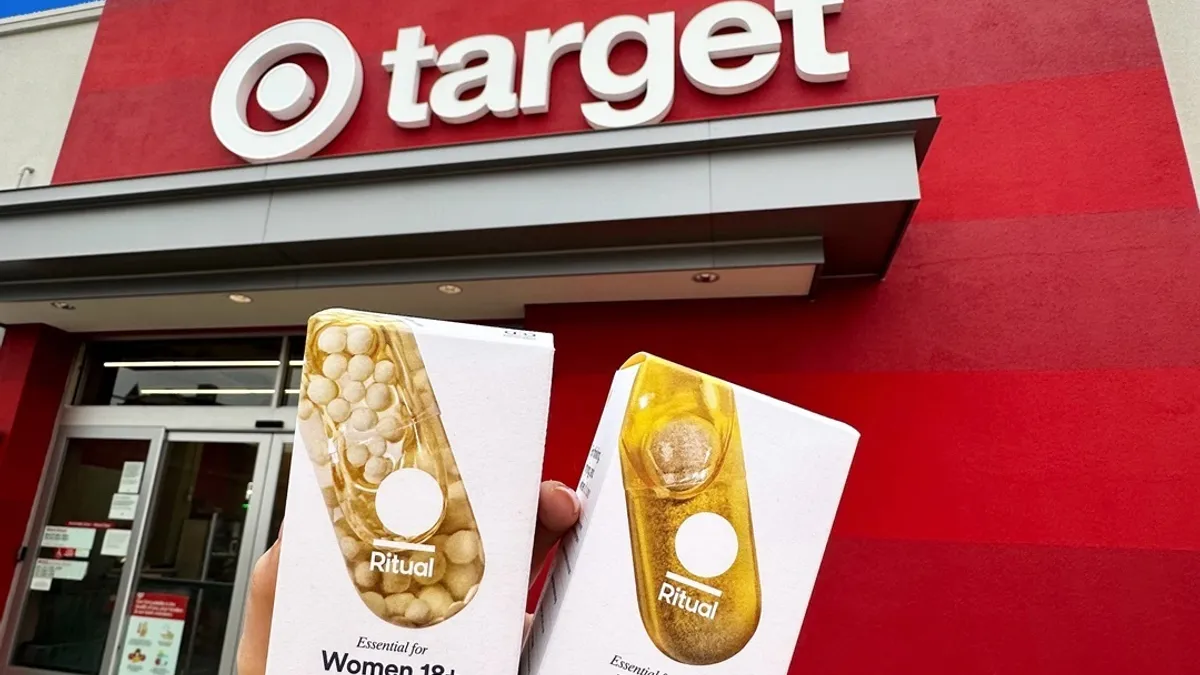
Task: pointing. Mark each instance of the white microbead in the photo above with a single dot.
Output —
(398, 602)
(377, 469)
(353, 391)
(357, 454)
(375, 603)
(396, 583)
(379, 397)
(462, 547)
(363, 419)
(458, 515)
(460, 578)
(417, 611)
(376, 446)
(364, 576)
(338, 409)
(360, 367)
(332, 339)
(359, 339)
(385, 371)
(321, 390)
(390, 428)
(333, 366)
(351, 547)
(439, 569)
(438, 599)
(305, 410)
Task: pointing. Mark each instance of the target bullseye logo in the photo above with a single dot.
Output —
(286, 92)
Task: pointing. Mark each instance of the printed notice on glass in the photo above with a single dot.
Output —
(46, 570)
(43, 576)
(156, 626)
(131, 478)
(115, 543)
(122, 507)
(57, 536)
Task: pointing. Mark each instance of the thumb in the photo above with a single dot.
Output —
(260, 602)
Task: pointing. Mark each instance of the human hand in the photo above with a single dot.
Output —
(558, 511)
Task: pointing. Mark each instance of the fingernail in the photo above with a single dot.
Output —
(574, 497)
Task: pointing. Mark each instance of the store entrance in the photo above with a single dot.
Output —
(146, 544)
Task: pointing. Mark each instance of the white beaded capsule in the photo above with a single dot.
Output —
(333, 366)
(322, 390)
(359, 339)
(360, 367)
(379, 397)
(353, 391)
(331, 339)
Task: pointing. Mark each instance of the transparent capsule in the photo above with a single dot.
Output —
(400, 511)
(689, 513)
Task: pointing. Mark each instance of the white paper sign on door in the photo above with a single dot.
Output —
(50, 568)
(43, 577)
(122, 507)
(115, 543)
(131, 477)
(57, 536)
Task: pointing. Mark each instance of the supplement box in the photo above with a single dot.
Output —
(706, 510)
(413, 497)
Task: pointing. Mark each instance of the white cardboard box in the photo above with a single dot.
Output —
(707, 508)
(412, 498)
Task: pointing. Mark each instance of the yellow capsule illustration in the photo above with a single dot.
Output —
(395, 498)
(689, 513)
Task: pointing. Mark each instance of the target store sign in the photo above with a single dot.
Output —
(482, 75)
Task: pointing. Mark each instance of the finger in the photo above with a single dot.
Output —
(558, 511)
(256, 626)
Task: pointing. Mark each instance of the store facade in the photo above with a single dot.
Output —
(968, 231)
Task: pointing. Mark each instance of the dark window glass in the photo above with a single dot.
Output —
(237, 371)
(193, 547)
(291, 393)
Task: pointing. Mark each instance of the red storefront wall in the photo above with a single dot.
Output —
(1027, 379)
(35, 362)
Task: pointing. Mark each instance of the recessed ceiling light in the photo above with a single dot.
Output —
(706, 277)
(241, 299)
(59, 304)
(450, 289)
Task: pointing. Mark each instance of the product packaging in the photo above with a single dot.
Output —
(412, 498)
(707, 508)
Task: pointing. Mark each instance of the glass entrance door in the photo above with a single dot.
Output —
(66, 612)
(197, 541)
(159, 585)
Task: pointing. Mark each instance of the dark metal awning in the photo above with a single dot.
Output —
(830, 190)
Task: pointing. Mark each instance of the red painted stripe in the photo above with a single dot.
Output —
(1088, 144)
(938, 608)
(1085, 458)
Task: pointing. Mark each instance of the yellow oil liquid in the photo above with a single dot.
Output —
(405, 431)
(681, 455)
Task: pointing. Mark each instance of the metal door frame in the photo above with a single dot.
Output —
(263, 442)
(262, 502)
(147, 492)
